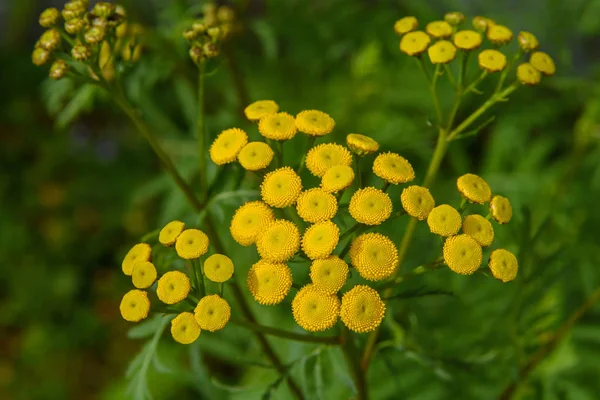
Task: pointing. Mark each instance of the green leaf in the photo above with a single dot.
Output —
(82, 101)
(267, 37)
(146, 328)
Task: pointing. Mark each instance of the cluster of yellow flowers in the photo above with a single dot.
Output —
(178, 289)
(207, 33)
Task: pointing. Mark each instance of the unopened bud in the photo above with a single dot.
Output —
(196, 54)
(211, 50)
(225, 14)
(137, 53)
(58, 70)
(100, 22)
(122, 30)
(104, 9)
(527, 41)
(73, 9)
(199, 27)
(190, 34)
(81, 52)
(50, 40)
(454, 18)
(215, 33)
(40, 56)
(95, 35)
(121, 11)
(480, 24)
(49, 17)
(75, 25)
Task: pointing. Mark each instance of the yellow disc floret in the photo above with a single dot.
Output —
(280, 126)
(417, 201)
(320, 239)
(444, 220)
(527, 41)
(414, 43)
(185, 328)
(499, 34)
(268, 282)
(393, 168)
(315, 310)
(474, 188)
(501, 209)
(191, 244)
(279, 242)
(405, 25)
(528, 75)
(462, 254)
(227, 146)
(362, 309)
(144, 274)
(361, 144)
(249, 221)
(441, 52)
(218, 268)
(543, 63)
(255, 156)
(439, 29)
(316, 205)
(173, 287)
(374, 256)
(324, 156)
(261, 108)
(139, 252)
(314, 123)
(370, 206)
(169, 234)
(281, 187)
(504, 265)
(479, 229)
(491, 60)
(212, 313)
(337, 178)
(329, 274)
(467, 40)
(135, 305)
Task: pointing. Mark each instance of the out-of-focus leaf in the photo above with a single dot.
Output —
(267, 37)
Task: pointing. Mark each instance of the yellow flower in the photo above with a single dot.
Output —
(255, 156)
(528, 75)
(543, 63)
(482, 24)
(405, 25)
(191, 244)
(527, 41)
(169, 234)
(362, 309)
(442, 52)
(467, 40)
(281, 187)
(173, 287)
(268, 282)
(49, 17)
(393, 168)
(139, 252)
(144, 274)
(444, 220)
(417, 201)
(324, 156)
(316, 205)
(249, 221)
(501, 209)
(279, 242)
(261, 108)
(329, 274)
(474, 188)
(374, 256)
(492, 60)
(227, 146)
(280, 126)
(361, 144)
(454, 18)
(499, 34)
(218, 268)
(414, 43)
(370, 206)
(479, 229)
(504, 265)
(337, 178)
(315, 310)
(135, 305)
(314, 123)
(212, 313)
(439, 29)
(320, 239)
(462, 254)
(184, 328)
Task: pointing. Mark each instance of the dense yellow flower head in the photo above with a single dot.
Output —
(479, 229)
(414, 43)
(441, 52)
(171, 231)
(268, 282)
(173, 287)
(462, 254)
(370, 206)
(144, 274)
(361, 144)
(504, 265)
(320, 239)
(185, 328)
(255, 156)
(316, 205)
(417, 201)
(324, 156)
(135, 305)
(405, 25)
(362, 309)
(281, 187)
(393, 168)
(337, 178)
(474, 188)
(218, 268)
(329, 274)
(543, 63)
(314, 123)
(315, 310)
(499, 34)
(227, 146)
(191, 244)
(444, 220)
(491, 60)
(528, 75)
(249, 221)
(501, 209)
(374, 256)
(467, 39)
(454, 18)
(527, 41)
(280, 126)
(261, 108)
(139, 252)
(212, 313)
(279, 242)
(439, 29)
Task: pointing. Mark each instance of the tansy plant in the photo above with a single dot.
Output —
(316, 222)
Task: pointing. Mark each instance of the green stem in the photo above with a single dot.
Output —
(309, 145)
(353, 361)
(432, 84)
(200, 278)
(385, 186)
(299, 337)
(358, 172)
(201, 132)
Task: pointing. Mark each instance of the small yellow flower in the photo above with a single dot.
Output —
(50, 40)
(417, 201)
(218, 268)
(139, 252)
(499, 34)
(315, 310)
(362, 309)
(169, 234)
(504, 265)
(474, 188)
(324, 156)
(462, 254)
(191, 244)
(280, 126)
(212, 313)
(444, 220)
(227, 146)
(543, 63)
(441, 52)
(439, 29)
(414, 43)
(279, 242)
(370, 206)
(316, 205)
(501, 209)
(135, 305)
(255, 156)
(314, 123)
(49, 17)
(467, 40)
(261, 108)
(405, 25)
(268, 282)
(320, 240)
(482, 24)
(337, 178)
(329, 274)
(492, 60)
(374, 256)
(454, 18)
(249, 221)
(144, 274)
(527, 41)
(361, 144)
(281, 187)
(528, 75)
(393, 168)
(173, 287)
(184, 328)
(479, 229)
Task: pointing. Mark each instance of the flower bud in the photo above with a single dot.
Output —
(122, 30)
(81, 52)
(211, 50)
(75, 25)
(75, 5)
(50, 40)
(196, 54)
(199, 27)
(215, 33)
(225, 14)
(58, 70)
(104, 9)
(40, 56)
(73, 9)
(454, 18)
(481, 24)
(527, 41)
(95, 35)
(190, 34)
(121, 11)
(99, 22)
(49, 17)
(137, 53)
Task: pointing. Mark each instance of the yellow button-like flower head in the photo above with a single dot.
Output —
(184, 328)
(255, 156)
(439, 29)
(479, 229)
(393, 168)
(280, 126)
(279, 242)
(414, 43)
(441, 52)
(329, 274)
(467, 40)
(268, 282)
(281, 187)
(135, 305)
(492, 60)
(320, 240)
(173, 287)
(370, 206)
(374, 256)
(462, 254)
(405, 25)
(139, 252)
(362, 309)
(528, 75)
(249, 221)
(501, 209)
(314, 123)
(144, 274)
(361, 144)
(324, 156)
(444, 220)
(474, 188)
(316, 205)
(191, 244)
(261, 108)
(417, 201)
(218, 268)
(315, 310)
(527, 41)
(169, 234)
(337, 178)
(499, 34)
(212, 313)
(227, 146)
(504, 265)
(543, 63)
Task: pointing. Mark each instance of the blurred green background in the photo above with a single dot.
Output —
(79, 187)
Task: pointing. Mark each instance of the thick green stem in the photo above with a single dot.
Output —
(333, 340)
(358, 172)
(201, 132)
(353, 361)
(238, 79)
(309, 145)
